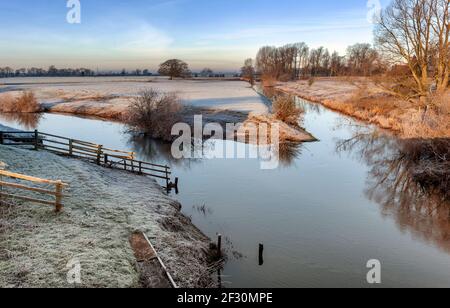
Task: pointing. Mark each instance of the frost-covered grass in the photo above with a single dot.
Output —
(102, 208)
(361, 99)
(109, 97)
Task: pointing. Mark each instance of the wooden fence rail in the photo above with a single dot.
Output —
(95, 152)
(56, 194)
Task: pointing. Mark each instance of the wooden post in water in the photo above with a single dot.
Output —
(176, 186)
(261, 254)
(219, 245)
(106, 160)
(1, 138)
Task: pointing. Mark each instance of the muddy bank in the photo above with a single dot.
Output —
(362, 100)
(103, 208)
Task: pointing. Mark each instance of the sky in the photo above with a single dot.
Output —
(131, 34)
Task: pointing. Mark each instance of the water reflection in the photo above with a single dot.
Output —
(28, 121)
(289, 152)
(149, 149)
(409, 179)
(155, 150)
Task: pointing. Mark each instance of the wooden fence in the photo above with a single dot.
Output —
(56, 194)
(97, 153)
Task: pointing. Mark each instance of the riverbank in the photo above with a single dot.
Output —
(102, 209)
(362, 100)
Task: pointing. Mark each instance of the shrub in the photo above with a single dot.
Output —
(311, 81)
(154, 114)
(285, 109)
(26, 103)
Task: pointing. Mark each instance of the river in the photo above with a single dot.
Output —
(322, 215)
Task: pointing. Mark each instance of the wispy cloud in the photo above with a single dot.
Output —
(264, 31)
(142, 39)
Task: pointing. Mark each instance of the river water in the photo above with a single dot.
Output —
(329, 208)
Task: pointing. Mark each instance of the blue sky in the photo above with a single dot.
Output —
(130, 34)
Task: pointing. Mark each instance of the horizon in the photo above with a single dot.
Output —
(185, 29)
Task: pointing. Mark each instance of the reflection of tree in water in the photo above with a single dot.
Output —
(410, 180)
(153, 150)
(289, 152)
(29, 121)
(157, 151)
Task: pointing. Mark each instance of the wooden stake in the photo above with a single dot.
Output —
(261, 254)
(219, 245)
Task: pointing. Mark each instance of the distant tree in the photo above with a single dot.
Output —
(362, 59)
(248, 71)
(337, 65)
(124, 72)
(174, 68)
(52, 71)
(206, 72)
(301, 58)
(319, 60)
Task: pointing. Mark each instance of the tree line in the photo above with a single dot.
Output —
(411, 51)
(173, 68)
(40, 72)
(298, 60)
(52, 71)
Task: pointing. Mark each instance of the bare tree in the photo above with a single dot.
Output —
(337, 64)
(301, 60)
(416, 32)
(319, 61)
(174, 68)
(363, 60)
(248, 71)
(281, 63)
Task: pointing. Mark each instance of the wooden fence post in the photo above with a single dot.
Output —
(1, 138)
(99, 154)
(167, 177)
(36, 140)
(58, 202)
(70, 147)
